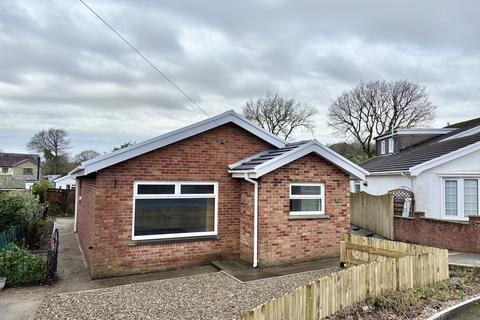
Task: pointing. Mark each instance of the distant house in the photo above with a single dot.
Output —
(19, 171)
(440, 165)
(64, 182)
(219, 188)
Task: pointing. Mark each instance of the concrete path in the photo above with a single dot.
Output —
(245, 273)
(464, 259)
(21, 303)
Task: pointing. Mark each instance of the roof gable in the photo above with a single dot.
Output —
(269, 161)
(121, 155)
(13, 159)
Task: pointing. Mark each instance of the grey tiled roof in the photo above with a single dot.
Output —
(251, 163)
(420, 153)
(10, 159)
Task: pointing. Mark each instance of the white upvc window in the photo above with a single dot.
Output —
(460, 197)
(382, 147)
(307, 198)
(391, 145)
(174, 209)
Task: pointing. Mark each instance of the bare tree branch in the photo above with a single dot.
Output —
(377, 107)
(280, 115)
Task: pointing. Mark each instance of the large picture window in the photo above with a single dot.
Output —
(307, 198)
(174, 209)
(460, 197)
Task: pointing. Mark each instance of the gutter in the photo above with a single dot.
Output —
(255, 219)
(388, 173)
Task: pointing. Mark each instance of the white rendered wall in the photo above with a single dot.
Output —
(378, 185)
(428, 185)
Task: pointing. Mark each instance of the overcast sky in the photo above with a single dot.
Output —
(61, 67)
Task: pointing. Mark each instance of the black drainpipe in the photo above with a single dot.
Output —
(38, 168)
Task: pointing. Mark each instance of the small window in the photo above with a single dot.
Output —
(27, 171)
(197, 189)
(4, 170)
(307, 198)
(391, 145)
(358, 186)
(156, 189)
(383, 147)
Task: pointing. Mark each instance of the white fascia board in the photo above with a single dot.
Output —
(417, 131)
(419, 168)
(312, 147)
(462, 134)
(180, 134)
(61, 178)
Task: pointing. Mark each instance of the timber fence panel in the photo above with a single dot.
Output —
(396, 266)
(374, 213)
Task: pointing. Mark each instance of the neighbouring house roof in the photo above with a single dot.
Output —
(465, 124)
(425, 155)
(270, 160)
(65, 177)
(13, 159)
(121, 155)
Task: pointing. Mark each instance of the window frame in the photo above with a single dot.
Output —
(29, 173)
(382, 147)
(176, 195)
(391, 145)
(300, 197)
(460, 196)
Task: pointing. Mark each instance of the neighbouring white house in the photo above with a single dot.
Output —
(64, 182)
(440, 166)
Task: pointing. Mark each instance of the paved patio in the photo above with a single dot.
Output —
(245, 273)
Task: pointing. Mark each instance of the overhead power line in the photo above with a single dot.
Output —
(145, 58)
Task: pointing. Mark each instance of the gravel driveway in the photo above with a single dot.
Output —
(207, 296)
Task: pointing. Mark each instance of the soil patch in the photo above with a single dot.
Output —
(418, 303)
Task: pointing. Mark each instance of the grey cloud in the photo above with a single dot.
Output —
(60, 66)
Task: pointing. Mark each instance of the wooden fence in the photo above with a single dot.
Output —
(61, 202)
(374, 213)
(392, 266)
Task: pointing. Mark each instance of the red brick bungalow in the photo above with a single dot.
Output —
(222, 188)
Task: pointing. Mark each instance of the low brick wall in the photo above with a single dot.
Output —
(453, 235)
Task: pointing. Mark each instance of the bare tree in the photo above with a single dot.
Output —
(280, 115)
(377, 107)
(53, 143)
(85, 155)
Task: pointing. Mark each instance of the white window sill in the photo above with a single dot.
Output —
(172, 240)
(307, 216)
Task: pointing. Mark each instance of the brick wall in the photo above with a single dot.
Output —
(457, 236)
(203, 157)
(283, 240)
(246, 222)
(86, 215)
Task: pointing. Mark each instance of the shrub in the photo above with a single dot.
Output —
(39, 189)
(20, 266)
(17, 208)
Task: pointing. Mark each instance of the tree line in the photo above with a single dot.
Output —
(358, 115)
(53, 144)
